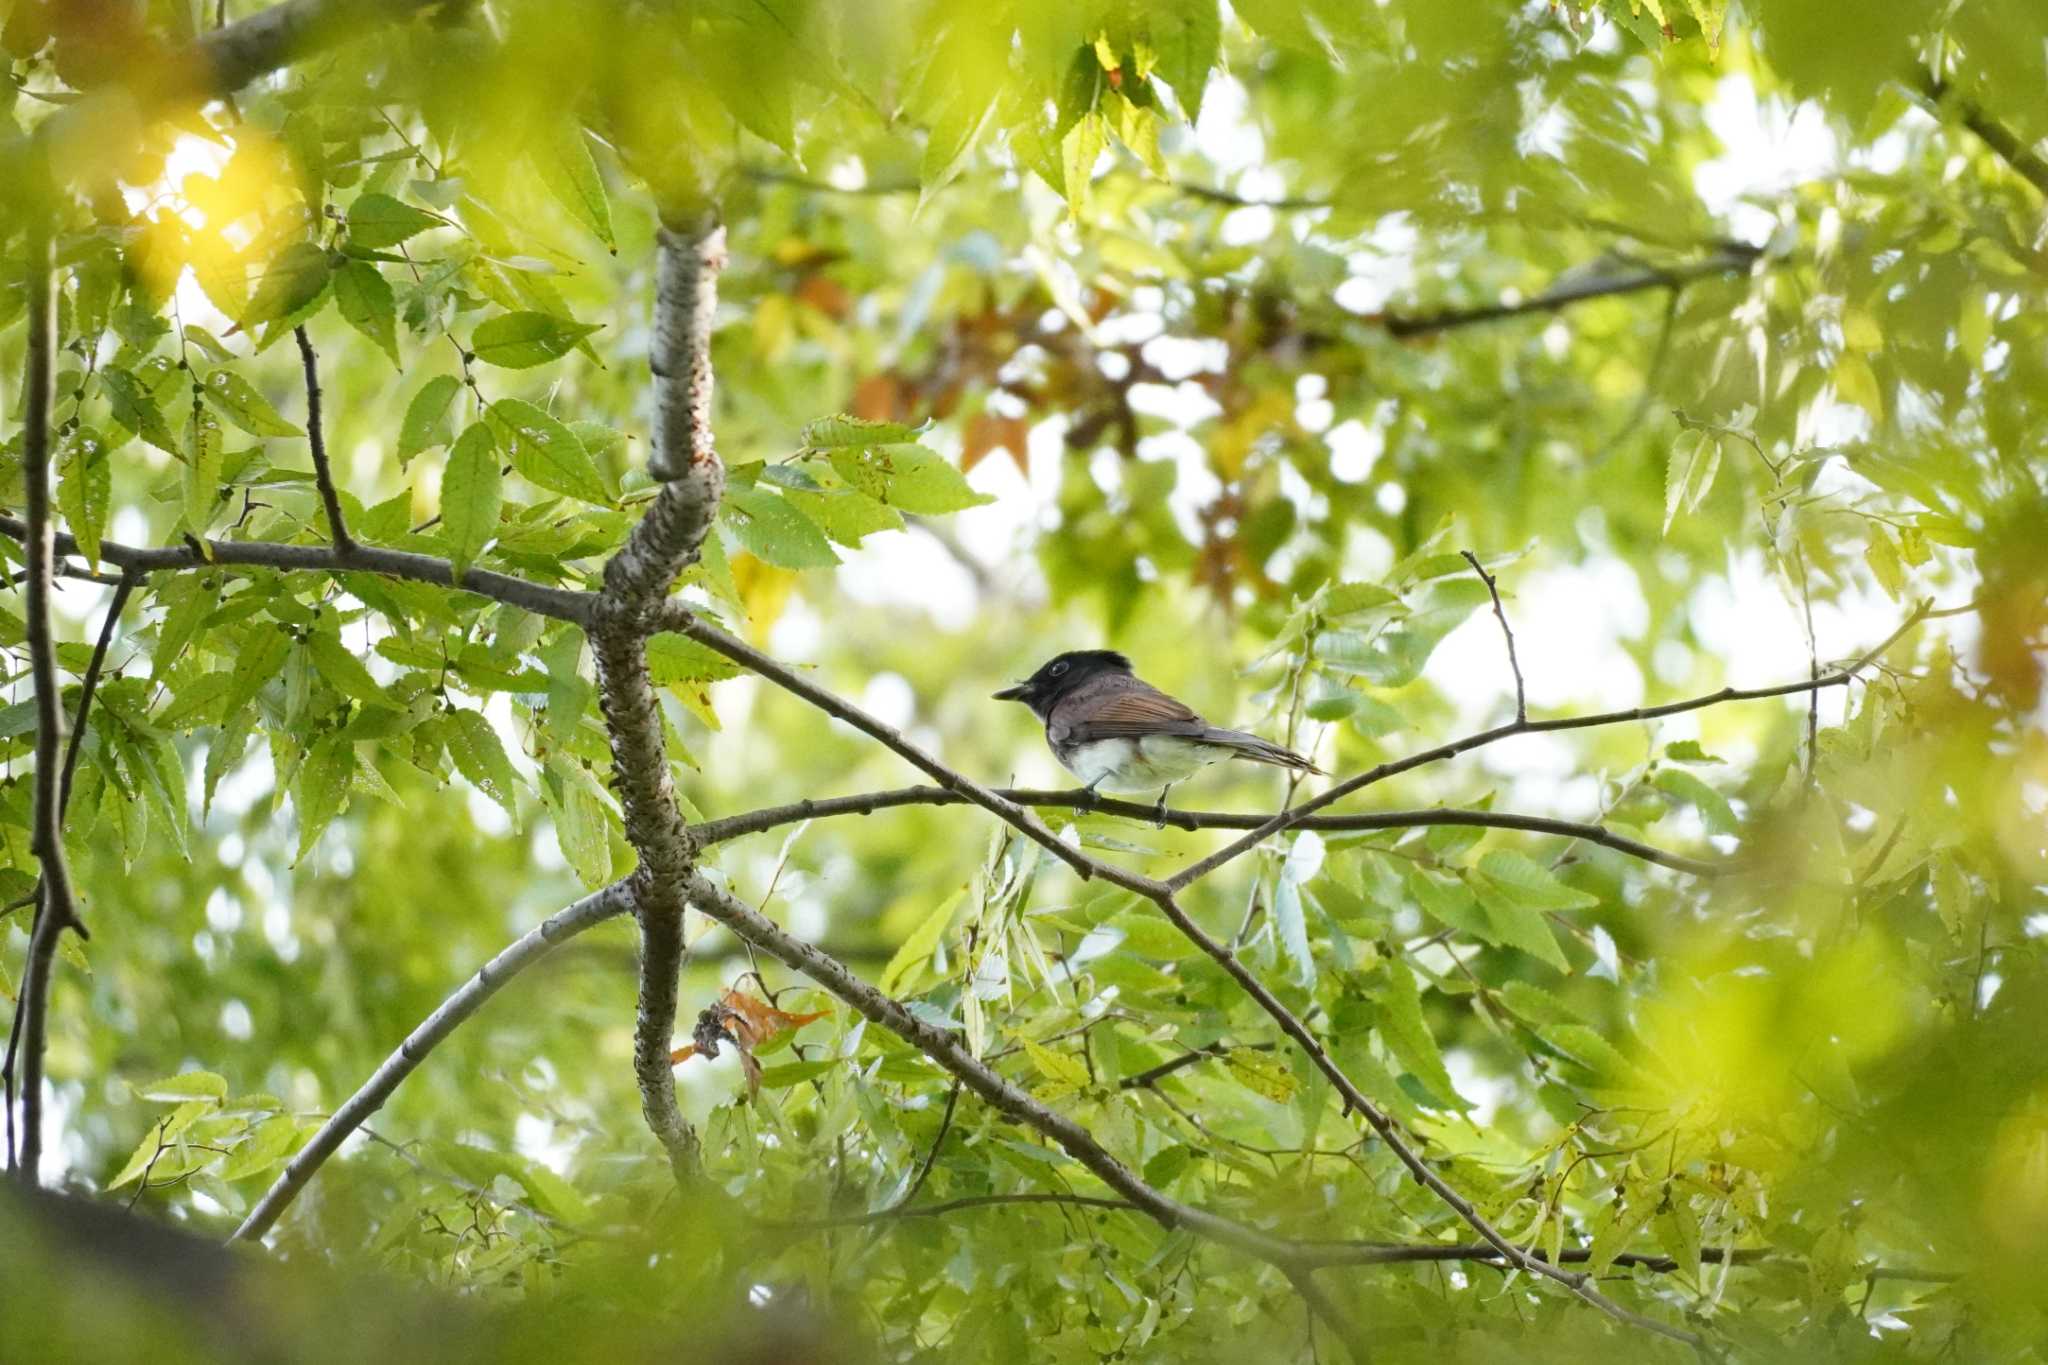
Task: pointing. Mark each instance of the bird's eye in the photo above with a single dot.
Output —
(1057, 669)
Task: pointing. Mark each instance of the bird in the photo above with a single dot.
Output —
(1114, 730)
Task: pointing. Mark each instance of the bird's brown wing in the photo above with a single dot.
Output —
(1128, 712)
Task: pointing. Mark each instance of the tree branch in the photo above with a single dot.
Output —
(1500, 614)
(941, 1046)
(563, 604)
(677, 616)
(323, 473)
(866, 803)
(2030, 165)
(1288, 819)
(665, 542)
(529, 948)
(56, 908)
(1732, 258)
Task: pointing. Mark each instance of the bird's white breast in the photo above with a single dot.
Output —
(1134, 765)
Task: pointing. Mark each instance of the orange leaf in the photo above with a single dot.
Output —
(987, 432)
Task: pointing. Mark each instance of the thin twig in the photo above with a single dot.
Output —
(529, 948)
(1501, 615)
(57, 909)
(1731, 258)
(930, 1157)
(122, 589)
(754, 822)
(323, 473)
(1288, 819)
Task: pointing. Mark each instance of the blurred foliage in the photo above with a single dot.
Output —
(1223, 333)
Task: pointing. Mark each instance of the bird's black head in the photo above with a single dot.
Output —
(1061, 675)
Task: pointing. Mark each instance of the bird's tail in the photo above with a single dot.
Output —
(1258, 750)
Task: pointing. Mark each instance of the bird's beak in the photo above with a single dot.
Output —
(1012, 693)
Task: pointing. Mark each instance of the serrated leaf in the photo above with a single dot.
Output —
(1262, 1073)
(239, 402)
(1951, 888)
(843, 432)
(1856, 382)
(1527, 882)
(1688, 751)
(189, 1085)
(1303, 861)
(202, 474)
(545, 452)
(85, 489)
(1164, 1167)
(264, 649)
(1407, 1035)
(1517, 925)
(582, 824)
(674, 659)
(480, 756)
(291, 284)
(518, 341)
(917, 948)
(268, 1144)
(472, 497)
(1064, 1074)
(1678, 1232)
(428, 417)
(1623, 1222)
(136, 408)
(367, 304)
(1882, 555)
(569, 171)
(1588, 1048)
(1187, 36)
(772, 529)
(341, 668)
(908, 477)
(321, 787)
(1689, 475)
(378, 220)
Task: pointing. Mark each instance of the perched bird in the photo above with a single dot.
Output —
(1112, 729)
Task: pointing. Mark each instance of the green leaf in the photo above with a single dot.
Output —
(1162, 1168)
(1262, 1073)
(136, 409)
(1688, 751)
(321, 787)
(1528, 883)
(545, 452)
(1517, 925)
(85, 489)
(189, 1085)
(518, 341)
(571, 174)
(265, 646)
(339, 665)
(1712, 806)
(583, 827)
(378, 220)
(267, 1145)
(773, 530)
(480, 757)
(1187, 35)
(1882, 555)
(1689, 475)
(917, 948)
(845, 433)
(1588, 1048)
(908, 477)
(202, 478)
(367, 304)
(1064, 1074)
(674, 659)
(428, 418)
(1407, 1035)
(241, 404)
(293, 283)
(1624, 1220)
(795, 1073)
(1348, 599)
(1678, 1232)
(471, 497)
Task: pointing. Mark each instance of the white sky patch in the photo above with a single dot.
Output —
(1772, 145)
